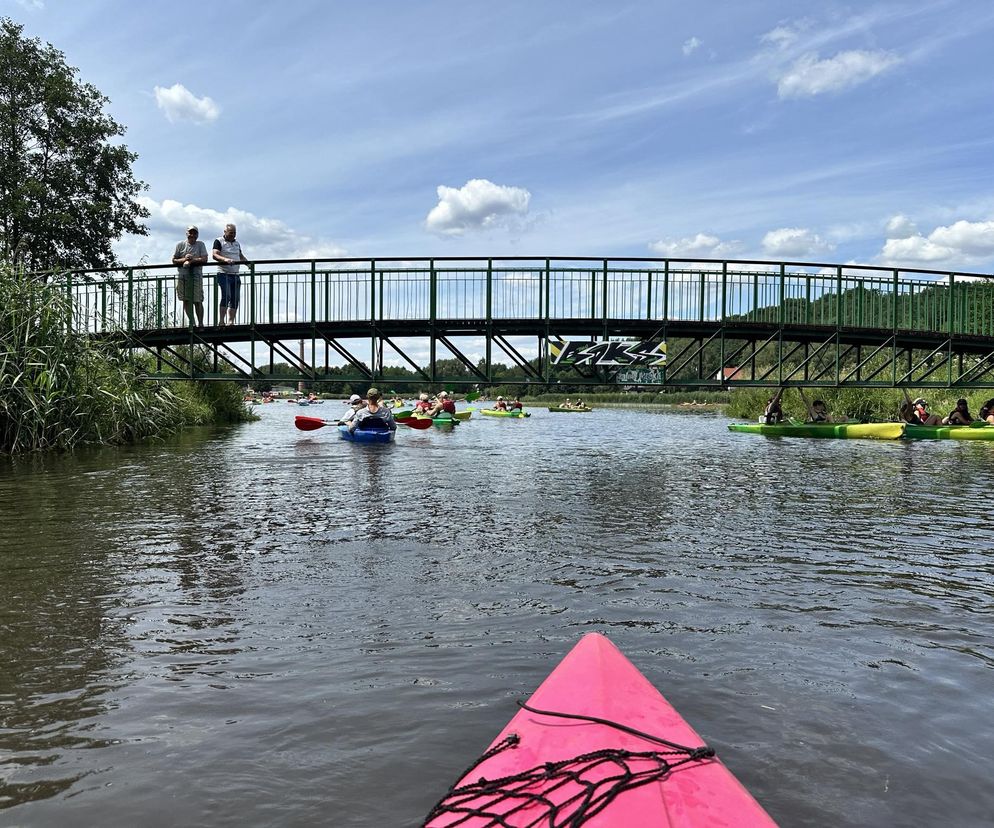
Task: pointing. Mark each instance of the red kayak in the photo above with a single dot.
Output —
(597, 746)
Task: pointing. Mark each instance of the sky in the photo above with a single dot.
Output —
(773, 129)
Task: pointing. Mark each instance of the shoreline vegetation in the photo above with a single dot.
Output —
(60, 389)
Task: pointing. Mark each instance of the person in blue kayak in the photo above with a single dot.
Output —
(354, 403)
(960, 415)
(374, 415)
(773, 412)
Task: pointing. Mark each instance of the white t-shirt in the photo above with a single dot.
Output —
(230, 250)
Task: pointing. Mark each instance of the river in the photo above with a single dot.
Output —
(263, 626)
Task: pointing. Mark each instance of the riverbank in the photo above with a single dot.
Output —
(60, 389)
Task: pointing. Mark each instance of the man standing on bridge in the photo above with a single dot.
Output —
(190, 256)
(228, 255)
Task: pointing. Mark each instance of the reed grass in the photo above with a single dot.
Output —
(60, 389)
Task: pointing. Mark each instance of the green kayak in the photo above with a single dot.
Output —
(978, 431)
(875, 431)
(492, 412)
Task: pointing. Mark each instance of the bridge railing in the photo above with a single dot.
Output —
(351, 290)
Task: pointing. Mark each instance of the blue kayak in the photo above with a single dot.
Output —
(378, 434)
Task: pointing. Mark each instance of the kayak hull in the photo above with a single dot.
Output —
(366, 435)
(956, 432)
(492, 412)
(596, 680)
(858, 431)
(558, 410)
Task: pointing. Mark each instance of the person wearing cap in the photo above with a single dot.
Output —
(501, 404)
(190, 256)
(228, 254)
(354, 403)
(443, 405)
(916, 412)
(374, 415)
(567, 404)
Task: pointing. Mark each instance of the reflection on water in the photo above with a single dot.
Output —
(265, 626)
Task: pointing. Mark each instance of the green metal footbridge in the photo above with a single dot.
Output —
(649, 323)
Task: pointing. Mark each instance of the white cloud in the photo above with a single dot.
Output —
(962, 241)
(31, 5)
(792, 242)
(703, 245)
(180, 105)
(478, 205)
(782, 37)
(262, 238)
(901, 227)
(691, 45)
(810, 76)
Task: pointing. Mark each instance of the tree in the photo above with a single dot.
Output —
(66, 188)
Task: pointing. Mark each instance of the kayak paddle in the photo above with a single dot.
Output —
(415, 422)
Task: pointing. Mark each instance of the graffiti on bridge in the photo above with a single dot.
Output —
(646, 354)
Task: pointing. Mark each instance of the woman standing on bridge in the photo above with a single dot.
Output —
(229, 257)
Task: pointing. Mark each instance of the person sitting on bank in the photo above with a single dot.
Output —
(987, 411)
(960, 415)
(773, 413)
(355, 403)
(817, 411)
(515, 405)
(374, 414)
(500, 405)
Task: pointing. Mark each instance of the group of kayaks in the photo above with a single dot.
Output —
(872, 431)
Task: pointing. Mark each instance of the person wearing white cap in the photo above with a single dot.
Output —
(501, 404)
(442, 404)
(190, 256)
(355, 403)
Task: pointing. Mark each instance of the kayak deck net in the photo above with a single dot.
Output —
(564, 793)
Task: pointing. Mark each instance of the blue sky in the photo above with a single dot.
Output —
(830, 132)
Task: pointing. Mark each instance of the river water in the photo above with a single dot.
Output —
(262, 626)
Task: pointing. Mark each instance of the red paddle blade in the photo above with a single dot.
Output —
(308, 423)
(416, 422)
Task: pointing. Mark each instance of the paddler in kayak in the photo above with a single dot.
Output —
(422, 406)
(817, 411)
(500, 405)
(986, 411)
(443, 405)
(567, 404)
(516, 406)
(373, 410)
(960, 415)
(354, 403)
(916, 412)
(773, 413)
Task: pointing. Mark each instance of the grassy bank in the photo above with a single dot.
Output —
(59, 389)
